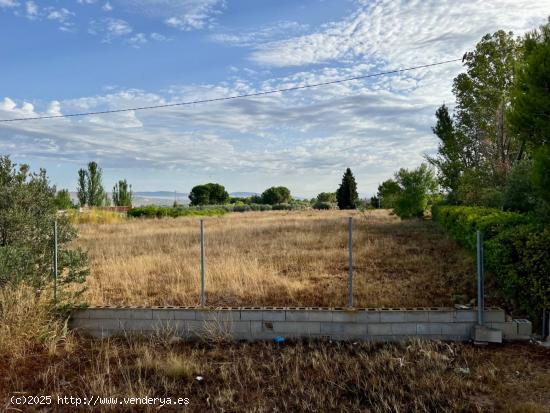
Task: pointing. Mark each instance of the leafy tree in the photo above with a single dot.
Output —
(96, 195)
(530, 107)
(453, 154)
(326, 197)
(519, 194)
(208, 194)
(346, 195)
(27, 213)
(541, 179)
(375, 202)
(63, 199)
(417, 187)
(122, 194)
(276, 195)
(82, 190)
(482, 95)
(388, 192)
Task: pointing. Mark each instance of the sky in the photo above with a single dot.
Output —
(69, 56)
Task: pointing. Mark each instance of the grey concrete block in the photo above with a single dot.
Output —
(308, 315)
(457, 329)
(96, 324)
(218, 315)
(354, 329)
(486, 334)
(163, 314)
(392, 316)
(525, 328)
(251, 315)
(494, 315)
(417, 316)
(465, 316)
(273, 315)
(403, 329)
(350, 316)
(140, 325)
(297, 327)
(379, 329)
(443, 316)
(428, 328)
(509, 329)
(77, 314)
(256, 326)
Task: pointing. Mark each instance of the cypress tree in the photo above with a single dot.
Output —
(346, 195)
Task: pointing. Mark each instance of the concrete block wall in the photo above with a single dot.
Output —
(261, 323)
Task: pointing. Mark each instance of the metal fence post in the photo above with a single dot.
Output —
(203, 298)
(480, 278)
(55, 261)
(350, 264)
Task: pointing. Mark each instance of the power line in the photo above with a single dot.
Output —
(247, 95)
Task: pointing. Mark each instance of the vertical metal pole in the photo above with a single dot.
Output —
(203, 298)
(55, 261)
(350, 264)
(480, 279)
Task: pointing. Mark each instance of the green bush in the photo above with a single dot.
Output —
(516, 251)
(324, 205)
(152, 211)
(282, 207)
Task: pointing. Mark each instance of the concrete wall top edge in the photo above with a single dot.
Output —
(343, 309)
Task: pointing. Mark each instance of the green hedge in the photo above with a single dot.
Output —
(517, 251)
(161, 212)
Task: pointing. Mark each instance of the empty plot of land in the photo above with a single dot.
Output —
(296, 258)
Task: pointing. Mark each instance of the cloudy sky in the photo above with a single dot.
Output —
(67, 56)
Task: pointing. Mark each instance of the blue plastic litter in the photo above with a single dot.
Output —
(279, 339)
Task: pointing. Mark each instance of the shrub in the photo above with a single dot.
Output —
(282, 207)
(94, 216)
(260, 207)
(27, 214)
(324, 205)
(152, 211)
(516, 251)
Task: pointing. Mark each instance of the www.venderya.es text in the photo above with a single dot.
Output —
(26, 400)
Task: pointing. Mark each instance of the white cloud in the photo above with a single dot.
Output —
(259, 35)
(403, 32)
(31, 10)
(109, 28)
(8, 3)
(60, 15)
(107, 7)
(137, 40)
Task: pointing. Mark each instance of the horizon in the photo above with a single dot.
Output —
(127, 53)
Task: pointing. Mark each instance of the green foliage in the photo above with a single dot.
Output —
(329, 197)
(530, 109)
(346, 195)
(82, 192)
(516, 251)
(208, 194)
(276, 195)
(27, 213)
(450, 160)
(324, 205)
(63, 200)
(541, 179)
(282, 207)
(416, 189)
(520, 194)
(388, 193)
(122, 194)
(96, 195)
(152, 211)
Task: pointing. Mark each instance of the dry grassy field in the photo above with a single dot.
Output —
(296, 258)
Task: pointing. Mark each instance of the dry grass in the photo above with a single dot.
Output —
(296, 258)
(299, 377)
(26, 322)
